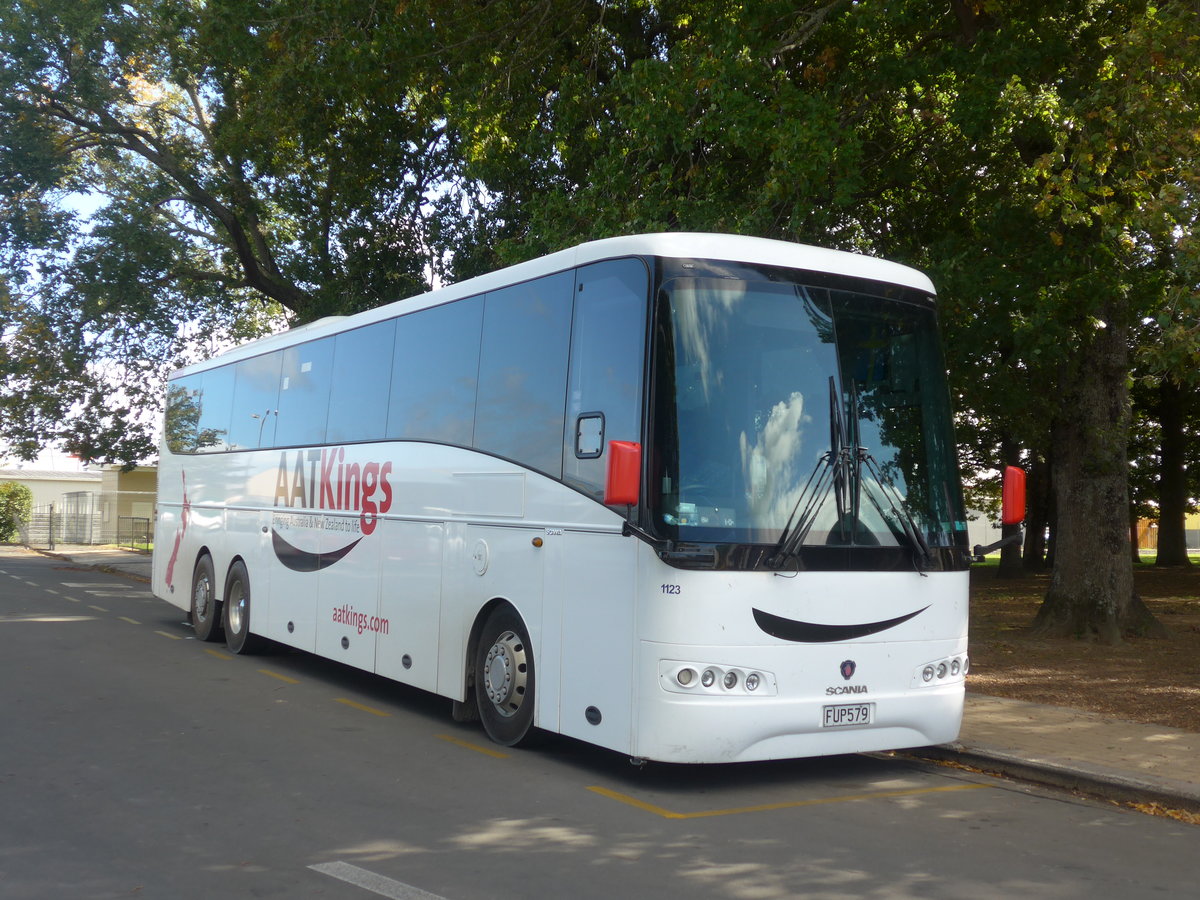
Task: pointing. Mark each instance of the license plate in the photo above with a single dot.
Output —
(848, 714)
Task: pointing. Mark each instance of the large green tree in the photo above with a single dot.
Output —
(166, 166)
(1038, 160)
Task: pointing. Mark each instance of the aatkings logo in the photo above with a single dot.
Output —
(321, 479)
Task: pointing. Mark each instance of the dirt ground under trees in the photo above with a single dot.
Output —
(1143, 680)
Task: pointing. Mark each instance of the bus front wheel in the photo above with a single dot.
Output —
(237, 611)
(504, 678)
(206, 611)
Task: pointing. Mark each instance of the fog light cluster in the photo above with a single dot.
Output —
(942, 670)
(692, 678)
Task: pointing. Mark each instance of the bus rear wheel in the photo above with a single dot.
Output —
(206, 611)
(237, 610)
(504, 678)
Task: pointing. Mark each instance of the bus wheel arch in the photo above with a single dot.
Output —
(206, 607)
(502, 680)
(466, 709)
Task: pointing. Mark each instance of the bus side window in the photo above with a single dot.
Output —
(523, 372)
(358, 399)
(181, 427)
(607, 358)
(433, 371)
(255, 402)
(304, 394)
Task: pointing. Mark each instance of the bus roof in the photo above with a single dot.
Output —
(684, 245)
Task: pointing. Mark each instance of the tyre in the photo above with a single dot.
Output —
(206, 609)
(504, 678)
(237, 611)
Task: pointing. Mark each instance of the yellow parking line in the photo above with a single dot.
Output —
(768, 807)
(634, 802)
(168, 634)
(97, 608)
(459, 742)
(285, 678)
(129, 620)
(217, 653)
(362, 706)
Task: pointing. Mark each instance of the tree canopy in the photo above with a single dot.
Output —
(255, 162)
(247, 161)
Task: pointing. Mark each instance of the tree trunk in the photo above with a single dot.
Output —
(1091, 585)
(1037, 522)
(1172, 479)
(1052, 532)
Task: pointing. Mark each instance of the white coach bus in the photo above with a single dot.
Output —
(690, 497)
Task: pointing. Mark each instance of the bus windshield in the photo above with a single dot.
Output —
(776, 402)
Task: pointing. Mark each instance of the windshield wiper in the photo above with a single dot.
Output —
(840, 470)
(901, 520)
(836, 470)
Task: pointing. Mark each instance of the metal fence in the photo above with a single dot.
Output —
(40, 530)
(125, 518)
(133, 532)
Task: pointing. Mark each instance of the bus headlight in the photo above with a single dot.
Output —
(714, 680)
(941, 671)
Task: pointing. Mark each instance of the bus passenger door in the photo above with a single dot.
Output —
(593, 581)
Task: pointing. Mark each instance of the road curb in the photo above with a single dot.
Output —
(98, 566)
(1105, 784)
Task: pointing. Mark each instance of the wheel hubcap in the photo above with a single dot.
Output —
(506, 673)
(237, 609)
(202, 599)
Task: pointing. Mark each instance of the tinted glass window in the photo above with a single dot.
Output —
(216, 408)
(255, 402)
(742, 407)
(433, 373)
(523, 372)
(893, 372)
(182, 424)
(358, 401)
(607, 346)
(788, 411)
(304, 394)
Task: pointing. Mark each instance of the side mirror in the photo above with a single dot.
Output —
(623, 477)
(1012, 506)
(1012, 511)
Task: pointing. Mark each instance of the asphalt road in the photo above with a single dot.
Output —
(138, 762)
